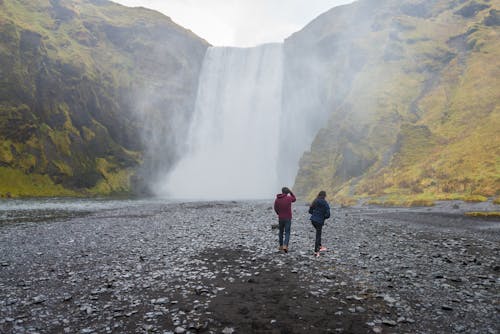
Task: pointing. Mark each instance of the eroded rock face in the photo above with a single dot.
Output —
(373, 71)
(149, 266)
(85, 94)
(471, 9)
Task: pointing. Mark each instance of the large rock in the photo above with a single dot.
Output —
(85, 87)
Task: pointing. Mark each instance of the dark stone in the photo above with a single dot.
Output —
(85, 179)
(30, 41)
(352, 165)
(493, 19)
(471, 9)
(60, 12)
(423, 9)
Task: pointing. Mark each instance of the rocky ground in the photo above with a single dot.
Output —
(154, 267)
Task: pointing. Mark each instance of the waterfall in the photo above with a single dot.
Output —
(234, 137)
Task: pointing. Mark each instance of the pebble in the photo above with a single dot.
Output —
(179, 330)
(389, 322)
(39, 299)
(137, 264)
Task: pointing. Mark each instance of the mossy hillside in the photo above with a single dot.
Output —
(465, 159)
(425, 111)
(72, 73)
(16, 183)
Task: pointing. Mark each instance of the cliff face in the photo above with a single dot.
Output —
(411, 89)
(84, 84)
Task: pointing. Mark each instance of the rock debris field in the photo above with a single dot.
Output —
(214, 267)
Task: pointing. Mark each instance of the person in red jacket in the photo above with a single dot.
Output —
(283, 208)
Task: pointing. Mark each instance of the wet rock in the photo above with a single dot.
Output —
(389, 322)
(39, 299)
(160, 301)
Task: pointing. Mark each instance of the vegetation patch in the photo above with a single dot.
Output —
(347, 202)
(115, 180)
(16, 183)
(475, 198)
(419, 202)
(402, 203)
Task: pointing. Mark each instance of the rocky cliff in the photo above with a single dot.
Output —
(84, 84)
(412, 92)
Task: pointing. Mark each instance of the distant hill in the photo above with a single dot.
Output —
(83, 85)
(413, 92)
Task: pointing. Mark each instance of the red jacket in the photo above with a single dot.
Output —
(283, 205)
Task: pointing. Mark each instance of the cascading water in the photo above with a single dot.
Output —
(234, 137)
(257, 111)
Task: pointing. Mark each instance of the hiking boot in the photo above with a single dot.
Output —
(281, 248)
(285, 249)
(322, 249)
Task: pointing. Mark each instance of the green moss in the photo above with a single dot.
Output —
(5, 152)
(485, 214)
(63, 168)
(88, 134)
(346, 201)
(475, 198)
(27, 162)
(401, 201)
(61, 140)
(417, 202)
(115, 180)
(15, 183)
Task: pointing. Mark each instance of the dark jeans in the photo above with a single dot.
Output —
(318, 228)
(285, 225)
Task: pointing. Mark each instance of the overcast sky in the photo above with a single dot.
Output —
(240, 22)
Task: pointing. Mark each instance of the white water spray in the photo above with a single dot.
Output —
(235, 133)
(254, 117)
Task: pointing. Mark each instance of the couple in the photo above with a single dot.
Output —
(319, 210)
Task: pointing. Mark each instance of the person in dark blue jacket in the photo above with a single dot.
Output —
(319, 210)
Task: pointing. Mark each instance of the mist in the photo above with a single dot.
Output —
(256, 113)
(233, 140)
(247, 135)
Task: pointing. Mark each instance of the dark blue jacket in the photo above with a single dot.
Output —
(319, 210)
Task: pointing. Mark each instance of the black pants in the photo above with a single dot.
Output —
(318, 228)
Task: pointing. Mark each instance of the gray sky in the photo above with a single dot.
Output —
(240, 22)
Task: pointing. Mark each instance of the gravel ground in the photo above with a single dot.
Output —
(214, 267)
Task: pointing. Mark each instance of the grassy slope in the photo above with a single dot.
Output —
(70, 73)
(422, 116)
